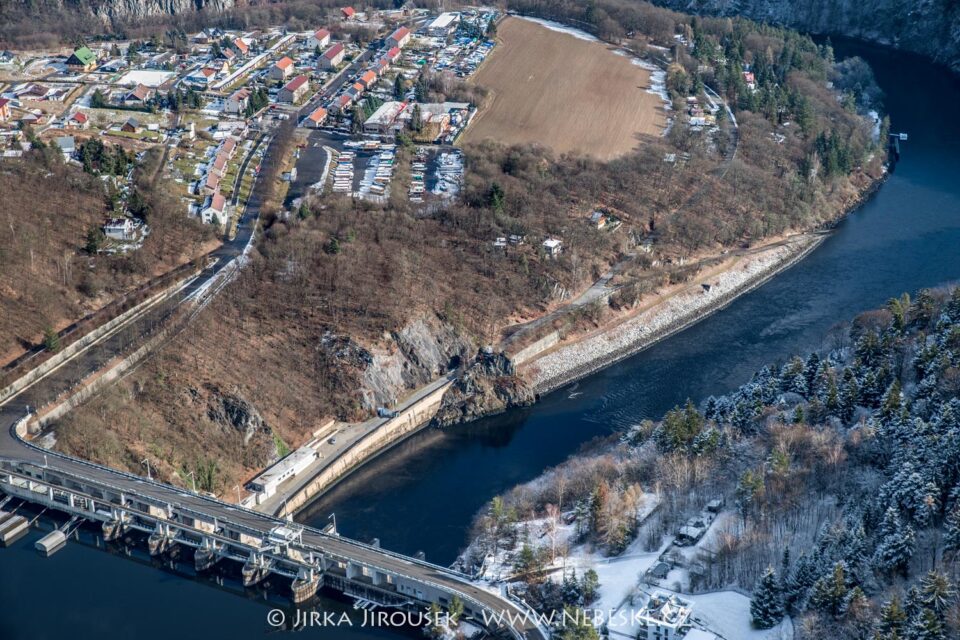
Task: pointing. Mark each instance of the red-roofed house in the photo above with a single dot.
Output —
(367, 79)
(315, 119)
(238, 101)
(219, 165)
(332, 56)
(294, 90)
(348, 13)
(320, 38)
(4, 109)
(79, 120)
(242, 47)
(138, 96)
(212, 184)
(214, 210)
(393, 54)
(282, 69)
(399, 38)
(341, 103)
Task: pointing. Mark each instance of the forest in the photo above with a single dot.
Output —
(839, 468)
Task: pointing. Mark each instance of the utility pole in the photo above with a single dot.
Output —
(146, 461)
(333, 516)
(194, 479)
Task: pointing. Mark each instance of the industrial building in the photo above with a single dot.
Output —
(443, 25)
(267, 482)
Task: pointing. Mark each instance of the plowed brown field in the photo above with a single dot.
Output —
(563, 92)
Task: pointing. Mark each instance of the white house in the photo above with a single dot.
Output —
(320, 38)
(214, 210)
(665, 617)
(119, 229)
(553, 247)
(238, 101)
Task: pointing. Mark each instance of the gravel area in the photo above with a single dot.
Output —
(582, 357)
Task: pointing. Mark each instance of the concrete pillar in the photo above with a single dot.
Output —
(353, 571)
(378, 578)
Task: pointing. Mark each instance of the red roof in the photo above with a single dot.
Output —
(4, 102)
(368, 78)
(220, 162)
(218, 201)
(400, 33)
(394, 53)
(333, 51)
(79, 116)
(321, 34)
(358, 86)
(296, 83)
(344, 100)
(284, 63)
(319, 115)
(241, 45)
(348, 12)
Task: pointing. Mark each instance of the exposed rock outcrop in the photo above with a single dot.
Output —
(927, 27)
(486, 387)
(234, 411)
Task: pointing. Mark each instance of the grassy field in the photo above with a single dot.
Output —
(563, 92)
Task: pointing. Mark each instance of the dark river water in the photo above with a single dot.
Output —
(423, 494)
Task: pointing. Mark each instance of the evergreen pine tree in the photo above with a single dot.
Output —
(766, 606)
(926, 626)
(892, 619)
(896, 544)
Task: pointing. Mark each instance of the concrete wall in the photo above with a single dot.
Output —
(375, 442)
(531, 351)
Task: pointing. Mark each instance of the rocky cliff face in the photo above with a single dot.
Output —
(927, 27)
(118, 11)
(486, 387)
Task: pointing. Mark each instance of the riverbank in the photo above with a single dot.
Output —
(580, 355)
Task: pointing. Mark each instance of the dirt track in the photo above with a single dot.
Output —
(563, 92)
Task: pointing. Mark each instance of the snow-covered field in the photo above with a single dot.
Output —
(146, 77)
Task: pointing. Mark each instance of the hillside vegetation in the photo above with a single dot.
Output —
(48, 278)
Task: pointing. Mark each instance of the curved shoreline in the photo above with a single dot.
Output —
(585, 359)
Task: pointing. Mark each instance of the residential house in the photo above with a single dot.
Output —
(368, 79)
(214, 210)
(82, 60)
(4, 109)
(750, 80)
(240, 46)
(139, 96)
(598, 220)
(332, 56)
(8, 57)
(227, 54)
(341, 103)
(294, 90)
(78, 120)
(320, 38)
(355, 91)
(348, 13)
(219, 164)
(238, 101)
(393, 54)
(119, 229)
(132, 125)
(665, 617)
(282, 69)
(211, 184)
(68, 146)
(203, 77)
(316, 119)
(553, 247)
(229, 147)
(399, 38)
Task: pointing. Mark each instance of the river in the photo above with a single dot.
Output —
(423, 494)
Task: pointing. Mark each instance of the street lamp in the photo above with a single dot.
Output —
(194, 479)
(333, 516)
(238, 493)
(146, 461)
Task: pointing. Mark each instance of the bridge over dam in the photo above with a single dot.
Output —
(219, 531)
